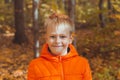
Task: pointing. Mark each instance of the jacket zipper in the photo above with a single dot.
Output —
(61, 69)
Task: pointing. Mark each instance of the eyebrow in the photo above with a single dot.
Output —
(59, 34)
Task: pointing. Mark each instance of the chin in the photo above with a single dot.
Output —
(57, 53)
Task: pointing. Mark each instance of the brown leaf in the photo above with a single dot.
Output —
(18, 73)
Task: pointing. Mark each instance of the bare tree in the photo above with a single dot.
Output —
(20, 36)
(110, 10)
(71, 13)
(36, 27)
(101, 16)
(71, 9)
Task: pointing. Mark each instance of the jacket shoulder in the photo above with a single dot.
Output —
(35, 61)
(82, 59)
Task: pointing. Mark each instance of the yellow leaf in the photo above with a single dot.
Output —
(118, 75)
(117, 33)
(117, 16)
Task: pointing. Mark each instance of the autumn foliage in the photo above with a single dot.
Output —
(100, 45)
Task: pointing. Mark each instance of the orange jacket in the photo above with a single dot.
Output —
(69, 67)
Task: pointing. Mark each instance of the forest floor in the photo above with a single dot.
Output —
(14, 60)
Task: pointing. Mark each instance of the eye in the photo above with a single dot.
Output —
(62, 36)
(52, 36)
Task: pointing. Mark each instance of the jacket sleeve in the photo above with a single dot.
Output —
(31, 72)
(87, 74)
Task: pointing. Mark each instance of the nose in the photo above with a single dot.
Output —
(57, 40)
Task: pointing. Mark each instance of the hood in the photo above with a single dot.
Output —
(47, 55)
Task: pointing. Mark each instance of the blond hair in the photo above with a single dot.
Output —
(56, 19)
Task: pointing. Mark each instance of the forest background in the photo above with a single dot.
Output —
(97, 24)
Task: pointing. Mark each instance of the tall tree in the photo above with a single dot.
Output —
(101, 15)
(110, 10)
(71, 13)
(36, 27)
(109, 6)
(20, 36)
(71, 9)
(6, 1)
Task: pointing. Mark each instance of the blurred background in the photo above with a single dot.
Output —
(97, 24)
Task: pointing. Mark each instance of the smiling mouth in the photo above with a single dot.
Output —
(57, 46)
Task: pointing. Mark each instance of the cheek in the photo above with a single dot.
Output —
(68, 41)
(48, 40)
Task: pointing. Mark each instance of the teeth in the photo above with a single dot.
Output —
(57, 46)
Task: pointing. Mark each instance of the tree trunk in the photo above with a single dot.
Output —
(110, 10)
(36, 28)
(20, 36)
(6, 1)
(101, 16)
(109, 6)
(71, 10)
(71, 13)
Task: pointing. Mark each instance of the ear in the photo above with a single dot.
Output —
(71, 39)
(45, 37)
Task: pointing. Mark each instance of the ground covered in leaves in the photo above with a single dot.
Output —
(14, 59)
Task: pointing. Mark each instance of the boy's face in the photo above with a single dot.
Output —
(58, 38)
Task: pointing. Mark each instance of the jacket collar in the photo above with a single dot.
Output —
(47, 55)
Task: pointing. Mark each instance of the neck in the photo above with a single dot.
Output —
(65, 53)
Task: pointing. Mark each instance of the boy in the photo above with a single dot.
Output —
(59, 60)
